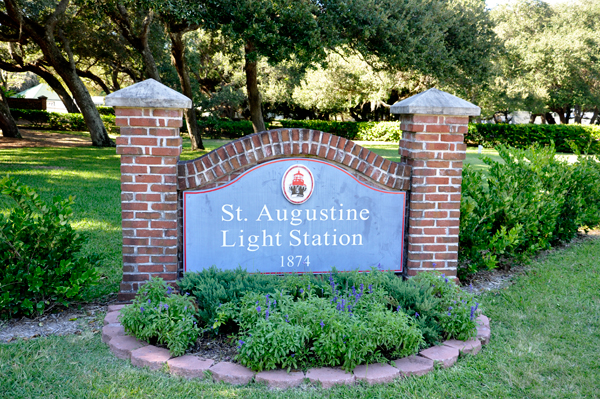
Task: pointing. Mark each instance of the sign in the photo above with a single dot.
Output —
(294, 215)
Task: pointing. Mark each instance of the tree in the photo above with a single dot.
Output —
(277, 30)
(41, 22)
(7, 122)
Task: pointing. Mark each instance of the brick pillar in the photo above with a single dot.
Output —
(150, 115)
(433, 125)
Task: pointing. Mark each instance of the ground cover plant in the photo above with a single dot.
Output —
(344, 320)
(160, 316)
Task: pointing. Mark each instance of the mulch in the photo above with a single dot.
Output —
(40, 139)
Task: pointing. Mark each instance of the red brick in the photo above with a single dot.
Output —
(452, 138)
(148, 179)
(434, 231)
(434, 248)
(436, 214)
(143, 122)
(152, 141)
(448, 223)
(151, 251)
(147, 215)
(134, 169)
(437, 129)
(151, 268)
(158, 151)
(427, 137)
(438, 180)
(167, 242)
(148, 160)
(136, 277)
(422, 205)
(165, 259)
(162, 188)
(134, 206)
(149, 233)
(425, 118)
(128, 111)
(171, 113)
(164, 206)
(436, 197)
(134, 187)
(130, 150)
(456, 120)
(449, 205)
(136, 259)
(447, 256)
(147, 197)
(174, 123)
(437, 146)
(134, 224)
(421, 240)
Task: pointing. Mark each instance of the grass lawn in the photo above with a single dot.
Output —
(545, 328)
(545, 340)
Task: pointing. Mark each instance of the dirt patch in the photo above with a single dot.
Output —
(217, 348)
(39, 138)
(65, 322)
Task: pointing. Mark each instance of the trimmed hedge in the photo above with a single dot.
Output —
(368, 131)
(585, 138)
(60, 121)
(217, 128)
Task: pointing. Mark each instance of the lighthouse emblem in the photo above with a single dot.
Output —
(297, 184)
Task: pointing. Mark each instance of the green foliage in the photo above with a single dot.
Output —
(368, 131)
(61, 121)
(218, 128)
(366, 317)
(584, 138)
(106, 110)
(157, 315)
(40, 264)
(524, 204)
(346, 330)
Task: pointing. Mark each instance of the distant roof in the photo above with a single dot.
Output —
(38, 91)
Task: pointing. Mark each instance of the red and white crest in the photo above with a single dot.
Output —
(297, 184)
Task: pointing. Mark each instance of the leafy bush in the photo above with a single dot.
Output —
(159, 316)
(218, 128)
(279, 317)
(106, 110)
(60, 121)
(585, 138)
(379, 131)
(348, 130)
(524, 204)
(39, 254)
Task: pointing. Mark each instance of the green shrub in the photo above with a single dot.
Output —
(585, 138)
(346, 330)
(39, 254)
(218, 128)
(60, 121)
(379, 131)
(401, 316)
(348, 130)
(157, 315)
(523, 205)
(106, 110)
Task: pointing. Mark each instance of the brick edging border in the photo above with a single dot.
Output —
(143, 355)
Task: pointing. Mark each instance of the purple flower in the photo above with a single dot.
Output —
(267, 314)
(434, 265)
(149, 301)
(166, 306)
(274, 303)
(398, 308)
(194, 323)
(286, 319)
(309, 286)
(240, 344)
(142, 309)
(446, 279)
(322, 324)
(443, 275)
(185, 308)
(258, 309)
(301, 290)
(370, 288)
(362, 287)
(416, 314)
(293, 354)
(354, 290)
(449, 307)
(449, 314)
(472, 312)
(471, 288)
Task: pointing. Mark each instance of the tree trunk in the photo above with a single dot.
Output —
(7, 122)
(550, 119)
(60, 90)
(251, 69)
(44, 37)
(594, 116)
(178, 57)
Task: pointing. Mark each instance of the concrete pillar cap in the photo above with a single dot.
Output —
(148, 94)
(435, 102)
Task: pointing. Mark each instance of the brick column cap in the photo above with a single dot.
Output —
(435, 102)
(148, 94)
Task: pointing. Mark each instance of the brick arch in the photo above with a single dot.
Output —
(229, 161)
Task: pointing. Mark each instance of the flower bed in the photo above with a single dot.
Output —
(332, 326)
